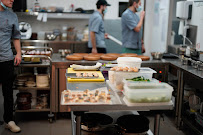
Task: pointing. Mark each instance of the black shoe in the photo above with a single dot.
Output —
(1, 122)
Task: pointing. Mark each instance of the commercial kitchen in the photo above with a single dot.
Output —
(64, 86)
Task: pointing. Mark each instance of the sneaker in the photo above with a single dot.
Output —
(13, 127)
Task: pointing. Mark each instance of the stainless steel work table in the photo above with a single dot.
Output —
(77, 109)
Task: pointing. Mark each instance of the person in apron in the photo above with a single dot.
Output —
(132, 28)
(9, 30)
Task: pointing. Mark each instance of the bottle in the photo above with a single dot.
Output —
(187, 51)
(64, 33)
(37, 6)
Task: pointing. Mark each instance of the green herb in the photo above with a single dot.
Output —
(140, 78)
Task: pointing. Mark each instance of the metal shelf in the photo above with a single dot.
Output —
(191, 126)
(33, 88)
(35, 65)
(71, 15)
(33, 110)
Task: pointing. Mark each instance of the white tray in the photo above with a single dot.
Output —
(114, 98)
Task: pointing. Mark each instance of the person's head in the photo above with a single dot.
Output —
(7, 3)
(102, 5)
(135, 3)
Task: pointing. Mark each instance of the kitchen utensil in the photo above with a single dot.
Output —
(25, 30)
(200, 66)
(184, 61)
(95, 121)
(133, 123)
(194, 103)
(182, 50)
(194, 52)
(157, 55)
(114, 39)
(24, 101)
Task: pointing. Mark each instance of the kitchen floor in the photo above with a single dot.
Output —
(37, 124)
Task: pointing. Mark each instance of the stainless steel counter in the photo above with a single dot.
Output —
(56, 59)
(116, 106)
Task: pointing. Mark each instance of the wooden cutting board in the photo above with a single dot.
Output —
(99, 79)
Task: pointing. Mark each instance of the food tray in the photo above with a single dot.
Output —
(73, 76)
(147, 94)
(131, 84)
(114, 98)
(78, 69)
(146, 104)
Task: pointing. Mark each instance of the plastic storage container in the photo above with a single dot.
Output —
(119, 76)
(147, 94)
(134, 84)
(129, 62)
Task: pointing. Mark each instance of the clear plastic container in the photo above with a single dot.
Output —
(147, 94)
(119, 76)
(133, 84)
(129, 62)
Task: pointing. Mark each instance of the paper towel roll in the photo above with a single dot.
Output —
(181, 27)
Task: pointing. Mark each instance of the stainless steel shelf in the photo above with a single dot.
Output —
(33, 110)
(55, 41)
(71, 15)
(33, 88)
(35, 65)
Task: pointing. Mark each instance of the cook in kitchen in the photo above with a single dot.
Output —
(97, 33)
(132, 28)
(9, 29)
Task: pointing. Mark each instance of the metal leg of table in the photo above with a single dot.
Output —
(73, 125)
(157, 124)
(78, 125)
(180, 100)
(178, 97)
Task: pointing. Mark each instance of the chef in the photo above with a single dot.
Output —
(97, 33)
(9, 29)
(132, 28)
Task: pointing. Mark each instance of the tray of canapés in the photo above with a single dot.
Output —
(85, 75)
(86, 97)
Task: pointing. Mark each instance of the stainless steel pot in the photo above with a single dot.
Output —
(157, 55)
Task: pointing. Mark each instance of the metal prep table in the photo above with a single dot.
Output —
(76, 110)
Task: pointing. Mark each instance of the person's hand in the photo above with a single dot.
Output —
(17, 59)
(94, 50)
(143, 48)
(142, 15)
(106, 35)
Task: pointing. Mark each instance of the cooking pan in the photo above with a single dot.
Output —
(135, 124)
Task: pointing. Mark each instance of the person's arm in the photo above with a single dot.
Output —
(17, 46)
(139, 25)
(93, 41)
(143, 47)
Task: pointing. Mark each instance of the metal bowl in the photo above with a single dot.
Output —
(157, 55)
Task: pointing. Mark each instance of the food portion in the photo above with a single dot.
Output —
(139, 78)
(109, 57)
(36, 52)
(86, 97)
(85, 75)
(125, 69)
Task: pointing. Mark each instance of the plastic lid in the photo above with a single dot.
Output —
(129, 59)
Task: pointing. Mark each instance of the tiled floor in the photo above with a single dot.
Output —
(31, 124)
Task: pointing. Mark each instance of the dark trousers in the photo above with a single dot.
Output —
(99, 50)
(6, 78)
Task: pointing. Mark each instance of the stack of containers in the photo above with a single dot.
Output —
(151, 91)
(116, 77)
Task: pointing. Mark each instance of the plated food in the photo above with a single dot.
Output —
(86, 97)
(89, 74)
(92, 57)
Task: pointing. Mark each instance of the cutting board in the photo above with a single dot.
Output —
(99, 79)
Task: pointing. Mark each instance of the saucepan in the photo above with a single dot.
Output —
(157, 55)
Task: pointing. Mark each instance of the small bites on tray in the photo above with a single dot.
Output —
(125, 69)
(86, 96)
(89, 74)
